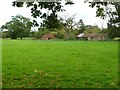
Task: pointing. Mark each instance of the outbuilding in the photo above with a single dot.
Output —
(93, 36)
(48, 37)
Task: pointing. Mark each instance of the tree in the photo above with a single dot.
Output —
(81, 26)
(104, 30)
(0, 34)
(11, 27)
(69, 25)
(41, 32)
(114, 22)
(32, 33)
(18, 27)
(6, 34)
(110, 10)
(50, 20)
(91, 29)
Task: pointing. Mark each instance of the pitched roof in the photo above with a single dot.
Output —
(49, 36)
(80, 35)
(95, 35)
(89, 35)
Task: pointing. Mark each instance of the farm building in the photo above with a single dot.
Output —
(48, 37)
(92, 36)
(80, 36)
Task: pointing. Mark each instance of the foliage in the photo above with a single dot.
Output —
(71, 36)
(91, 29)
(59, 33)
(7, 34)
(3, 35)
(50, 20)
(113, 31)
(38, 34)
(0, 34)
(76, 32)
(110, 10)
(65, 29)
(81, 26)
(104, 30)
(114, 22)
(69, 25)
(32, 33)
(18, 27)
(59, 64)
(41, 32)
(117, 39)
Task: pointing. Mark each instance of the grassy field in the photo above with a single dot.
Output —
(59, 64)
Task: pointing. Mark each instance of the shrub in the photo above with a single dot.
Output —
(117, 39)
(3, 35)
(70, 37)
(38, 34)
(0, 34)
(59, 35)
(41, 32)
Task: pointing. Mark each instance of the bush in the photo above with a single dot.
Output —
(41, 32)
(71, 37)
(0, 34)
(59, 35)
(3, 35)
(32, 33)
(38, 34)
(117, 39)
(7, 34)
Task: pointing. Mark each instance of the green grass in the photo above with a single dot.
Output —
(59, 64)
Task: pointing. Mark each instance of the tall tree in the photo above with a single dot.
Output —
(91, 29)
(18, 27)
(49, 20)
(72, 27)
(81, 26)
(69, 24)
(114, 22)
(111, 11)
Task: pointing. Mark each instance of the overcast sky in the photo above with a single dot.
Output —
(82, 10)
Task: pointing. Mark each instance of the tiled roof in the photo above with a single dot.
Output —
(49, 36)
(95, 35)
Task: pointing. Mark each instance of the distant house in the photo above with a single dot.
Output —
(48, 37)
(93, 36)
(80, 36)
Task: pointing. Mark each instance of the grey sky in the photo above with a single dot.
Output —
(82, 10)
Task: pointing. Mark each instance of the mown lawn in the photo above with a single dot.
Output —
(59, 64)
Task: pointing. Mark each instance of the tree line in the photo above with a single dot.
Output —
(21, 26)
(68, 28)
